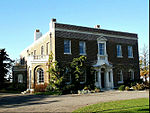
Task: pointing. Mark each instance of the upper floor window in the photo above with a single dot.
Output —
(82, 48)
(101, 49)
(120, 76)
(67, 47)
(42, 50)
(34, 52)
(40, 75)
(130, 52)
(119, 51)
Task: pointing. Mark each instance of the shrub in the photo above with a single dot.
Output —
(134, 87)
(97, 90)
(85, 88)
(140, 86)
(40, 87)
(122, 88)
(127, 88)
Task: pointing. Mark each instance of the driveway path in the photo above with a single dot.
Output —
(64, 103)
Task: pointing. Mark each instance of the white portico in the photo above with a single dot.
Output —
(104, 72)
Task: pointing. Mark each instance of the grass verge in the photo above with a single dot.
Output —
(48, 93)
(124, 106)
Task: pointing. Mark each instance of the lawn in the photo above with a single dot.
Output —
(124, 106)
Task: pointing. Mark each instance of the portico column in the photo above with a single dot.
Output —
(107, 80)
(112, 81)
(29, 79)
(99, 80)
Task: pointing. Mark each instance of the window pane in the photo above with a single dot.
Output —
(82, 47)
(130, 52)
(40, 74)
(120, 76)
(101, 48)
(66, 46)
(119, 51)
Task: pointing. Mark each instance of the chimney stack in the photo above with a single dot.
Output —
(37, 34)
(97, 26)
(53, 20)
(52, 24)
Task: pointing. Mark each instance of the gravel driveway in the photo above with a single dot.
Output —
(64, 103)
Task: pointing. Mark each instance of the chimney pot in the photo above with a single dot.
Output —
(37, 30)
(97, 26)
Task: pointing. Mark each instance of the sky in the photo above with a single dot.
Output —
(20, 18)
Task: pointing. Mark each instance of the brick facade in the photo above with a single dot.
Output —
(91, 36)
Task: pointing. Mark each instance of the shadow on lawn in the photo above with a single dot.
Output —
(23, 100)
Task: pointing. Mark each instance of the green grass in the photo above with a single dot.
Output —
(9, 91)
(48, 93)
(124, 106)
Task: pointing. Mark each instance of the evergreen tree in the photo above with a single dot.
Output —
(5, 65)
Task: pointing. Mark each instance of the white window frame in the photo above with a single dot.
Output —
(84, 47)
(103, 48)
(119, 50)
(130, 49)
(38, 81)
(121, 76)
(69, 47)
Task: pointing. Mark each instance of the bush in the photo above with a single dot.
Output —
(40, 87)
(134, 87)
(140, 86)
(97, 90)
(85, 88)
(127, 88)
(122, 88)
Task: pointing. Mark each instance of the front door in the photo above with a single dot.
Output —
(102, 79)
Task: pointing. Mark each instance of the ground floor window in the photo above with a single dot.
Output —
(120, 76)
(131, 74)
(20, 78)
(40, 74)
(83, 78)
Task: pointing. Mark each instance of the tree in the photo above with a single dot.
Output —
(144, 63)
(5, 65)
(78, 68)
(56, 77)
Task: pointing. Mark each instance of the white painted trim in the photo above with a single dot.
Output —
(101, 34)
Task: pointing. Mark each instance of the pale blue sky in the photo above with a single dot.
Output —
(19, 18)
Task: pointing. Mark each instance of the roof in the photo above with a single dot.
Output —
(93, 30)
